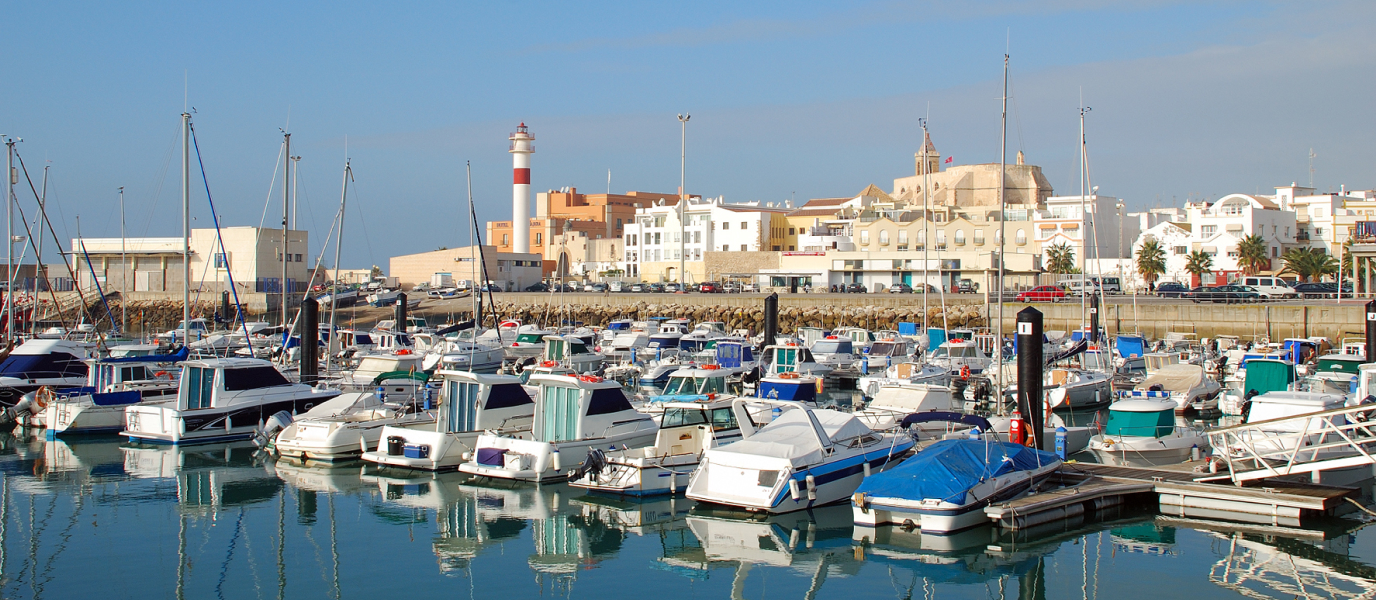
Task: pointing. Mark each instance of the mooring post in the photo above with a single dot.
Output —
(401, 313)
(310, 341)
(771, 318)
(1030, 366)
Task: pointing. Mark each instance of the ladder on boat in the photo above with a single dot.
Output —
(1301, 444)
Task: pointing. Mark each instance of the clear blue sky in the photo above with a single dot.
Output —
(1190, 99)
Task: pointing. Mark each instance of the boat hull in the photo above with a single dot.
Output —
(832, 482)
(1146, 452)
(945, 517)
(170, 425)
(532, 460)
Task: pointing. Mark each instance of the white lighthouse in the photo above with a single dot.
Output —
(521, 149)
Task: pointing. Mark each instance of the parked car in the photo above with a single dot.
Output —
(857, 288)
(710, 287)
(1042, 293)
(537, 287)
(731, 287)
(1224, 293)
(654, 288)
(900, 288)
(639, 288)
(1171, 289)
(1316, 289)
(595, 287)
(672, 288)
(967, 286)
(750, 288)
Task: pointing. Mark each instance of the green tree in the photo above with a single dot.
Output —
(1251, 255)
(1060, 259)
(1151, 261)
(1199, 263)
(1309, 263)
(377, 271)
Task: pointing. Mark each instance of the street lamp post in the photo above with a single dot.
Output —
(682, 202)
(1122, 232)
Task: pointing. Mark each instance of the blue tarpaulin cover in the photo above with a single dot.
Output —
(1130, 345)
(948, 469)
(935, 338)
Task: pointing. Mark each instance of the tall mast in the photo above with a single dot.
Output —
(1003, 157)
(186, 228)
(286, 213)
(926, 221)
(9, 243)
(1084, 220)
(338, 242)
(123, 260)
(683, 203)
(477, 295)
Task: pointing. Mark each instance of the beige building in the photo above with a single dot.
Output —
(967, 186)
(251, 256)
(508, 270)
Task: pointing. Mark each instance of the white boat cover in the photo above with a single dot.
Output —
(1175, 378)
(792, 438)
(341, 404)
(911, 398)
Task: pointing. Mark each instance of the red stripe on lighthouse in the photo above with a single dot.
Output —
(520, 176)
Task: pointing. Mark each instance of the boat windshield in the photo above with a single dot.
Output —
(530, 338)
(678, 417)
(1140, 424)
(695, 385)
(886, 349)
(832, 347)
(663, 342)
(957, 352)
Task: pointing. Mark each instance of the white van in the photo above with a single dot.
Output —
(1271, 288)
(1078, 287)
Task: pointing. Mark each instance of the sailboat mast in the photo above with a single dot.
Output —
(186, 228)
(477, 295)
(1003, 235)
(926, 221)
(1084, 218)
(123, 260)
(286, 212)
(338, 242)
(9, 246)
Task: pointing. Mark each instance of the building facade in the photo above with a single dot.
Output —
(250, 256)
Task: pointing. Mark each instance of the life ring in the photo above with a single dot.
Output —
(788, 375)
(162, 375)
(710, 367)
(403, 352)
(590, 378)
(549, 363)
(43, 397)
(965, 372)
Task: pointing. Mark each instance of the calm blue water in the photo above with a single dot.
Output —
(104, 519)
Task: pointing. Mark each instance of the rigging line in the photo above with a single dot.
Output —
(311, 213)
(1017, 118)
(215, 217)
(272, 184)
(162, 179)
(100, 338)
(229, 556)
(99, 291)
(358, 205)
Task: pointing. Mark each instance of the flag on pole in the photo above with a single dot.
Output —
(949, 159)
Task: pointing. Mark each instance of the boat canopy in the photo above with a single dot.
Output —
(731, 354)
(948, 469)
(1179, 377)
(1339, 363)
(792, 436)
(180, 355)
(1129, 346)
(1141, 418)
(1268, 375)
(935, 338)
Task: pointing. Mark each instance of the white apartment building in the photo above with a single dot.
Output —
(655, 241)
(1322, 220)
(1097, 227)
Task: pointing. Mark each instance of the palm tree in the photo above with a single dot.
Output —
(1060, 259)
(1309, 263)
(1198, 263)
(1151, 261)
(1251, 255)
(1363, 264)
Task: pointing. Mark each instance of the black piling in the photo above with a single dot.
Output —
(226, 309)
(401, 312)
(310, 341)
(1030, 367)
(1371, 331)
(1094, 319)
(771, 318)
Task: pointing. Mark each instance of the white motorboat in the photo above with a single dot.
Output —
(464, 355)
(893, 401)
(686, 430)
(902, 372)
(1142, 432)
(1071, 388)
(221, 399)
(112, 385)
(42, 362)
(956, 355)
(572, 352)
(1185, 384)
(529, 340)
(340, 428)
(837, 352)
(1283, 424)
(803, 458)
(573, 415)
(469, 404)
(791, 358)
(945, 487)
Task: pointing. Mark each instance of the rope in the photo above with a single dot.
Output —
(215, 217)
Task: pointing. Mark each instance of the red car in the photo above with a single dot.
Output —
(709, 287)
(1042, 293)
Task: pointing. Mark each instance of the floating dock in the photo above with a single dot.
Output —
(1088, 487)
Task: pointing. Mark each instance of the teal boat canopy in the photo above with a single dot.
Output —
(1140, 424)
(1268, 375)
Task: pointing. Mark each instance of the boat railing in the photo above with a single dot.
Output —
(1297, 444)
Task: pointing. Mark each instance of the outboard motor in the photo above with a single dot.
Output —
(274, 425)
(10, 417)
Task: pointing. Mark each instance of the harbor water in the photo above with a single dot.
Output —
(102, 517)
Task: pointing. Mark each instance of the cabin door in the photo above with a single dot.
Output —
(559, 414)
(463, 406)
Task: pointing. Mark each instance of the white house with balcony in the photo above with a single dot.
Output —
(1217, 228)
(655, 241)
(1097, 227)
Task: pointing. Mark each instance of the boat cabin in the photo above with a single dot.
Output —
(222, 382)
(833, 345)
(474, 402)
(576, 408)
(856, 335)
(785, 359)
(708, 379)
(809, 335)
(679, 326)
(561, 347)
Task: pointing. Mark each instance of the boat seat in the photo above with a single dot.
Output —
(681, 441)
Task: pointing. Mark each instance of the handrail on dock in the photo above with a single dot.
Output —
(1313, 442)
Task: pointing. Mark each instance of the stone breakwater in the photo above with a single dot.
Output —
(744, 317)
